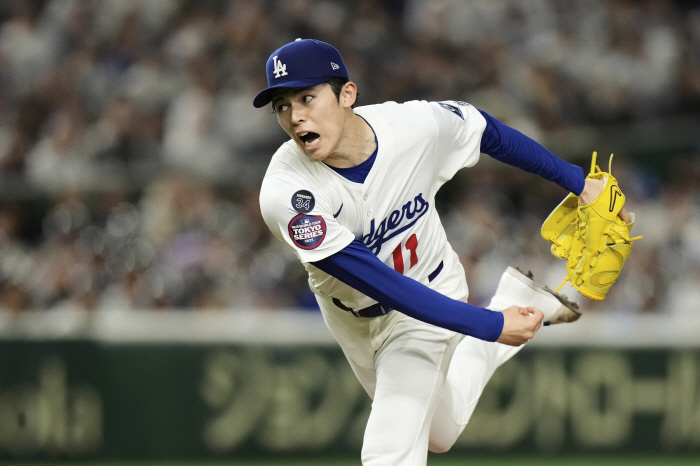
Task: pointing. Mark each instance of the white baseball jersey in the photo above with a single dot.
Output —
(318, 212)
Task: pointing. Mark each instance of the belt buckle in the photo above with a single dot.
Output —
(376, 310)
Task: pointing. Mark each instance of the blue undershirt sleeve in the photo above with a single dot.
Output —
(358, 267)
(514, 148)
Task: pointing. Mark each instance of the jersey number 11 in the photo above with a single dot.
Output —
(411, 245)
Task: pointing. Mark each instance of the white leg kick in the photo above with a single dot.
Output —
(475, 361)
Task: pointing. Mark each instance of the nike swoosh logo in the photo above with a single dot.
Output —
(614, 193)
(335, 215)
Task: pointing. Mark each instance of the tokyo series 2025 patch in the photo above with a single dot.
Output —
(307, 231)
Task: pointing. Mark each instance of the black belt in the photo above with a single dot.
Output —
(377, 310)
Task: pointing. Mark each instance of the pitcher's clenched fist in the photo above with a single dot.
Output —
(520, 324)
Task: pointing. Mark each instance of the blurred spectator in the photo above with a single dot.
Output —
(191, 141)
(16, 262)
(27, 47)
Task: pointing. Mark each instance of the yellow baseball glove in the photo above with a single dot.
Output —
(592, 238)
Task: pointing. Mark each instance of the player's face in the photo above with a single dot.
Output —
(314, 118)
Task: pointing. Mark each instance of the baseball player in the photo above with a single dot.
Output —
(352, 193)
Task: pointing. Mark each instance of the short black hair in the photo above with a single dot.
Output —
(337, 83)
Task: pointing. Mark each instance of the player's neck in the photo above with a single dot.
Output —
(356, 145)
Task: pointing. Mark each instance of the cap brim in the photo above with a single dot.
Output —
(264, 97)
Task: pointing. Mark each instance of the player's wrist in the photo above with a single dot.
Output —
(591, 190)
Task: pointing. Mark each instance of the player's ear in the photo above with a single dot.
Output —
(348, 94)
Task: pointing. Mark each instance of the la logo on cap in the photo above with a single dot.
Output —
(280, 69)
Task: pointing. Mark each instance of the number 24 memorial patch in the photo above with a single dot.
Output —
(307, 231)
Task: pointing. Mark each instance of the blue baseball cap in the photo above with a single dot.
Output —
(302, 63)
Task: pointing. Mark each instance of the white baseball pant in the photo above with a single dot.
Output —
(424, 380)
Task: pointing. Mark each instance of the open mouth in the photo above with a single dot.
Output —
(309, 139)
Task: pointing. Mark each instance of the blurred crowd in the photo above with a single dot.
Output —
(131, 155)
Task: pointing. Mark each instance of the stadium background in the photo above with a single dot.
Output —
(144, 301)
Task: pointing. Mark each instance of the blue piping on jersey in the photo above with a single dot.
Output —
(433, 275)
